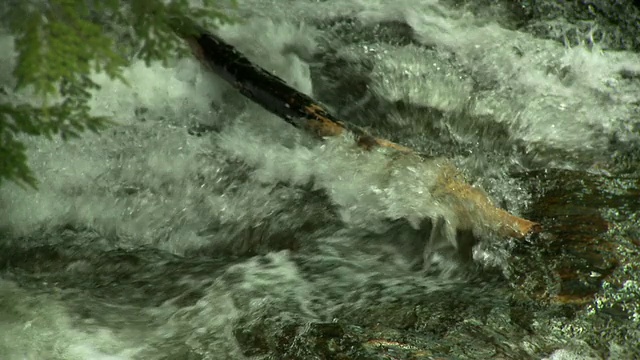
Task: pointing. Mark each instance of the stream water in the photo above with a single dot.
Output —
(155, 240)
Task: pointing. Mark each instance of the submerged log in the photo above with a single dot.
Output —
(302, 111)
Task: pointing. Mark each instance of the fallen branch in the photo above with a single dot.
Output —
(470, 204)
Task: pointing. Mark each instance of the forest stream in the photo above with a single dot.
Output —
(203, 227)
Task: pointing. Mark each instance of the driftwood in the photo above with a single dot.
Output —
(470, 203)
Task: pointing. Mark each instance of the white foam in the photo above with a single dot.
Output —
(550, 94)
(563, 354)
(38, 327)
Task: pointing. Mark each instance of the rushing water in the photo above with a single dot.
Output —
(155, 241)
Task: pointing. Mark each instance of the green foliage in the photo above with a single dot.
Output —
(60, 43)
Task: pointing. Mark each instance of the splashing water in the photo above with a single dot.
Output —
(147, 242)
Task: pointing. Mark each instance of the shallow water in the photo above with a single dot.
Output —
(150, 241)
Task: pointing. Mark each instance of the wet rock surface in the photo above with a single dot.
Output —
(573, 207)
